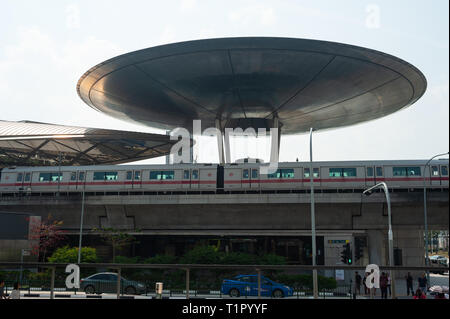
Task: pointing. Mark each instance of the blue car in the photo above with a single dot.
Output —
(247, 285)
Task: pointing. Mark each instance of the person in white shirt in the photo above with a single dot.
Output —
(15, 293)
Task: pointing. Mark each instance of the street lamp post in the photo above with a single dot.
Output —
(425, 211)
(313, 218)
(390, 235)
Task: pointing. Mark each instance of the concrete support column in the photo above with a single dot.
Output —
(275, 139)
(220, 142)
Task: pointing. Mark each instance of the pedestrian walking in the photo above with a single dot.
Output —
(358, 280)
(15, 293)
(423, 283)
(409, 284)
(383, 285)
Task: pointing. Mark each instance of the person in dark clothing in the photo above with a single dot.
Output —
(409, 284)
(366, 289)
(383, 285)
(423, 283)
(358, 280)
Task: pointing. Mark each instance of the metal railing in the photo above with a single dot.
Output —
(191, 288)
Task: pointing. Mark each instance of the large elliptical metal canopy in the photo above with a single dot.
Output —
(260, 82)
(28, 143)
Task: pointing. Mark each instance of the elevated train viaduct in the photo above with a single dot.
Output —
(275, 222)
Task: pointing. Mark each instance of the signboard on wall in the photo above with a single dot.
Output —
(340, 274)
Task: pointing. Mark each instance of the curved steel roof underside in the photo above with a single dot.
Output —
(32, 143)
(305, 83)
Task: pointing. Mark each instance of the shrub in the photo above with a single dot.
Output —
(201, 255)
(69, 255)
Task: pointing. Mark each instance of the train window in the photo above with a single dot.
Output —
(287, 173)
(137, 175)
(187, 174)
(49, 177)
(27, 177)
(399, 171)
(81, 176)
(105, 176)
(342, 172)
(129, 175)
(306, 172)
(245, 173)
(19, 177)
(406, 171)
(254, 173)
(349, 172)
(335, 172)
(444, 170)
(315, 172)
(167, 174)
(195, 174)
(276, 174)
(413, 171)
(379, 171)
(369, 171)
(435, 171)
(73, 176)
(155, 175)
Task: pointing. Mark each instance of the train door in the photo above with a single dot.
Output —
(81, 183)
(254, 182)
(245, 182)
(435, 177)
(195, 180)
(72, 185)
(186, 180)
(444, 175)
(19, 181)
(379, 174)
(129, 179)
(370, 176)
(27, 181)
(137, 179)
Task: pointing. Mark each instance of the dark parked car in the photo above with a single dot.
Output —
(247, 285)
(106, 282)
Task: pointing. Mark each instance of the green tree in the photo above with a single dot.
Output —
(116, 238)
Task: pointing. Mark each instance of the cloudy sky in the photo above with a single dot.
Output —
(45, 46)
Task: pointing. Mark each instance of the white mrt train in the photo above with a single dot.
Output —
(230, 177)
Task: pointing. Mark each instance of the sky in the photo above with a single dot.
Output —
(46, 46)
